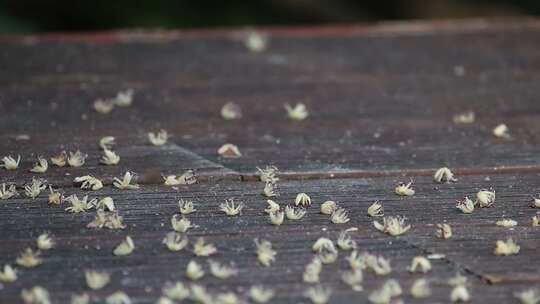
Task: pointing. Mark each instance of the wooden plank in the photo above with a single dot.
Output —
(147, 212)
(378, 103)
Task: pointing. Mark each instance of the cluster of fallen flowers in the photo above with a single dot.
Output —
(326, 251)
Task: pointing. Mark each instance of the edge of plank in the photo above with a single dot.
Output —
(387, 28)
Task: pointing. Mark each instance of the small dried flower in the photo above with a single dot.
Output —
(457, 280)
(376, 209)
(60, 160)
(175, 291)
(328, 256)
(97, 279)
(221, 271)
(186, 207)
(36, 295)
(294, 213)
(106, 142)
(76, 159)
(356, 261)
(187, 178)
(508, 247)
(507, 223)
(444, 175)
(8, 275)
(345, 242)
(194, 271)
(106, 203)
(78, 206)
(466, 205)
(485, 198)
(464, 118)
(420, 264)
(256, 42)
(318, 294)
(313, 270)
(536, 202)
(276, 218)
(323, 244)
(273, 207)
(103, 106)
(29, 258)
(529, 296)
(109, 158)
(45, 242)
(113, 221)
(41, 166)
(83, 298)
(200, 248)
(380, 296)
(298, 112)
(200, 295)
(89, 182)
(326, 249)
(260, 294)
(420, 289)
(328, 207)
(265, 253)
(10, 163)
(231, 111)
(164, 300)
(405, 189)
(107, 220)
(390, 289)
(55, 197)
(444, 231)
(269, 190)
(180, 223)
(34, 189)
(501, 131)
(231, 208)
(302, 199)
(175, 241)
(378, 264)
(124, 98)
(393, 226)
(354, 279)
(229, 151)
(7, 192)
(536, 220)
(118, 297)
(460, 293)
(125, 182)
(126, 247)
(158, 139)
(227, 298)
(268, 174)
(340, 216)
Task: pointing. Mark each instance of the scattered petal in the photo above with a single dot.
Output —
(97, 279)
(158, 139)
(298, 112)
(444, 175)
(10, 163)
(126, 247)
(229, 151)
(231, 111)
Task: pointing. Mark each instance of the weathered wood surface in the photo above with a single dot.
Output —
(381, 101)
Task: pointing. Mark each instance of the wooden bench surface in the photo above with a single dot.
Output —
(381, 100)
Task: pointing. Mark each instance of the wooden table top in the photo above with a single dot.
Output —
(381, 101)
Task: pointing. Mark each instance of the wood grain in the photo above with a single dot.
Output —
(381, 101)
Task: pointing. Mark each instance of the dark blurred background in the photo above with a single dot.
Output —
(87, 15)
